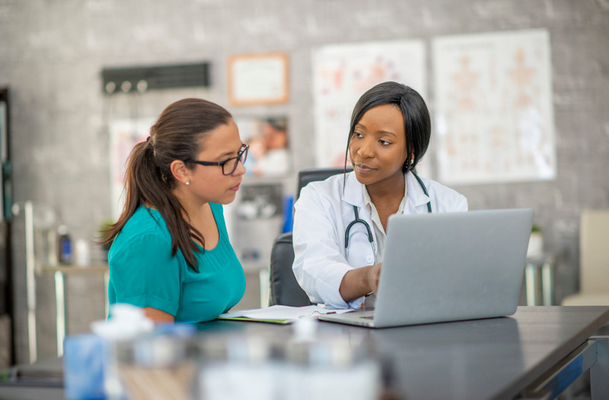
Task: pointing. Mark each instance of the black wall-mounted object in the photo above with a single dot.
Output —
(142, 79)
(6, 202)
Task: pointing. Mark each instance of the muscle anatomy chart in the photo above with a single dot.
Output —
(342, 73)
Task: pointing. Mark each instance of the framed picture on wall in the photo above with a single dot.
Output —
(255, 79)
(268, 137)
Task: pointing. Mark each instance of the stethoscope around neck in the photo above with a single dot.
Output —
(358, 220)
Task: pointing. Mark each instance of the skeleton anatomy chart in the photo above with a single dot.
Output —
(494, 119)
(342, 73)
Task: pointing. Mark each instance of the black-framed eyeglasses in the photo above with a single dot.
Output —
(228, 166)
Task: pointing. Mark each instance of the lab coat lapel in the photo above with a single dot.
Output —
(361, 253)
(353, 194)
(416, 199)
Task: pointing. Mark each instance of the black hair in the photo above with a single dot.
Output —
(417, 123)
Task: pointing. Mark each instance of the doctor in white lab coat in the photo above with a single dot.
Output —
(390, 131)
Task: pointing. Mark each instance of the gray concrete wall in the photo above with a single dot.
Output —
(52, 52)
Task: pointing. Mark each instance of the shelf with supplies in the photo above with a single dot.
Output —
(94, 268)
(60, 272)
(539, 280)
(42, 239)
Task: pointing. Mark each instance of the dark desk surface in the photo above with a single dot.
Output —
(41, 380)
(482, 359)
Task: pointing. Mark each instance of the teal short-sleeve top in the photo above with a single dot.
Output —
(145, 274)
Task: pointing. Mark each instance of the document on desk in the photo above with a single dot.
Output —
(279, 314)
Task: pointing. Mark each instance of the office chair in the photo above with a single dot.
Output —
(316, 174)
(594, 260)
(285, 290)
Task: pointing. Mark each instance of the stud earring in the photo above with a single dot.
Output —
(187, 183)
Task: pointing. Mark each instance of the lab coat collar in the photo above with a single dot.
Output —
(353, 194)
(416, 199)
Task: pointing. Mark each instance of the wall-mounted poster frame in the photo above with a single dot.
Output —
(343, 72)
(260, 78)
(494, 113)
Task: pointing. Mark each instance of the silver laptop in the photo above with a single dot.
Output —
(448, 267)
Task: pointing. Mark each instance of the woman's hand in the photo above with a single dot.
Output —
(359, 282)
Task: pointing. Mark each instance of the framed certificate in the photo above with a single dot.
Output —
(255, 79)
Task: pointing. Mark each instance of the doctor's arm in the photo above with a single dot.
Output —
(359, 282)
(319, 263)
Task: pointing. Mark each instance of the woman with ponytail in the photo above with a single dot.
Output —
(340, 224)
(170, 252)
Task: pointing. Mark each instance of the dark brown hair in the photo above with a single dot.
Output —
(177, 134)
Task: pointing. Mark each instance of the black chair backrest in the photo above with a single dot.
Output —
(316, 174)
(285, 290)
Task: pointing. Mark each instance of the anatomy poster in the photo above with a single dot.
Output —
(494, 119)
(342, 73)
(124, 135)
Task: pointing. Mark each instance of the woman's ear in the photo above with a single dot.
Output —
(180, 172)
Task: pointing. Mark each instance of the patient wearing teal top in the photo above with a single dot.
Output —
(170, 252)
(145, 275)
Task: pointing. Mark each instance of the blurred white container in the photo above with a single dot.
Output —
(238, 368)
(83, 253)
(299, 369)
(329, 370)
(535, 249)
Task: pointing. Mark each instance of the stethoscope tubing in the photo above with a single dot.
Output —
(358, 220)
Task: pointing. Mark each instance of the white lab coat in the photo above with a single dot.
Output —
(322, 214)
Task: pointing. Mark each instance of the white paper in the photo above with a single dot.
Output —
(282, 313)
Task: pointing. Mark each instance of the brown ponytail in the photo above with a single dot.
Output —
(177, 135)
